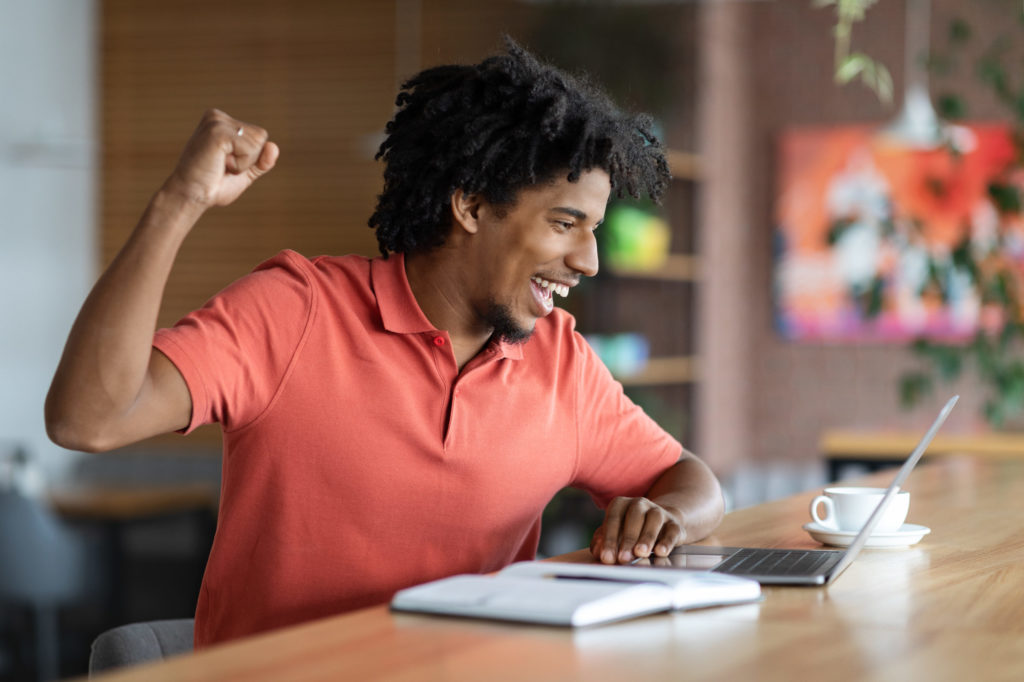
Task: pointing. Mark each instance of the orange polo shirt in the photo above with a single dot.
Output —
(358, 460)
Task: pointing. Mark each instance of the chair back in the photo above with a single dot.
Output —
(140, 643)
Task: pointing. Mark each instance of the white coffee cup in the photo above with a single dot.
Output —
(847, 508)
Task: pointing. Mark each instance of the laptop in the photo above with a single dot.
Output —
(798, 566)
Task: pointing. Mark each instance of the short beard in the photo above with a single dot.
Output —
(499, 318)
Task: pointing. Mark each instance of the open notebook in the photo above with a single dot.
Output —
(575, 595)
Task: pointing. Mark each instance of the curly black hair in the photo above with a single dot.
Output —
(494, 128)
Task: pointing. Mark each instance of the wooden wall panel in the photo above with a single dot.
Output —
(319, 75)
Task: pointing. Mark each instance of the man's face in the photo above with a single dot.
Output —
(528, 253)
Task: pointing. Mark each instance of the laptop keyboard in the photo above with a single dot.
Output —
(776, 562)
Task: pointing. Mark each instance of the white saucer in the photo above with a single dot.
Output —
(908, 534)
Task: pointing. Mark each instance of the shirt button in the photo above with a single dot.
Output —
(438, 341)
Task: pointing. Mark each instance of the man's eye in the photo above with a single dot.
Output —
(563, 224)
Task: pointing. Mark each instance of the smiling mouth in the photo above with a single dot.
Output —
(551, 287)
(545, 290)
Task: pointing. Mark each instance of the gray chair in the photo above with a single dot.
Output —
(41, 567)
(140, 643)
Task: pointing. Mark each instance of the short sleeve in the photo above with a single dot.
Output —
(235, 352)
(621, 449)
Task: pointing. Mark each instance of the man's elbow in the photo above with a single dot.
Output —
(71, 438)
(74, 433)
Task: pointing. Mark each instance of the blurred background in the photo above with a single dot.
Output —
(709, 307)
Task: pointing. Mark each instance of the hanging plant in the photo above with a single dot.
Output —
(992, 259)
(848, 66)
(986, 263)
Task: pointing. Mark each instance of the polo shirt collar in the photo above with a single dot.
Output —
(401, 313)
(399, 310)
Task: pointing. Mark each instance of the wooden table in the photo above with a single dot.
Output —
(129, 503)
(950, 608)
(878, 449)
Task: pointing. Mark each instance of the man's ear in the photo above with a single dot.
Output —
(466, 210)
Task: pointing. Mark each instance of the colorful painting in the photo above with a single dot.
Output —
(873, 236)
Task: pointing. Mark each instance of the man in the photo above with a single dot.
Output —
(390, 421)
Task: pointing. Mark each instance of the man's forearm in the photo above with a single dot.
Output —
(691, 489)
(105, 360)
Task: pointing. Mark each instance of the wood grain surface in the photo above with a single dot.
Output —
(949, 608)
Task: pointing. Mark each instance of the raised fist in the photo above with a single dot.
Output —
(221, 159)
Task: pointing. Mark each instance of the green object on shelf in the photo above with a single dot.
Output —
(637, 240)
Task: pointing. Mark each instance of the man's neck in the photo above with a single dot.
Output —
(440, 288)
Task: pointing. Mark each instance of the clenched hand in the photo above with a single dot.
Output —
(221, 159)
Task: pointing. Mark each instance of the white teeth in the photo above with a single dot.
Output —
(552, 287)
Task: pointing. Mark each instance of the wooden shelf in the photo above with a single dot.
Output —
(683, 165)
(893, 446)
(680, 369)
(678, 267)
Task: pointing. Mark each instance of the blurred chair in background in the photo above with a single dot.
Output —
(140, 643)
(41, 568)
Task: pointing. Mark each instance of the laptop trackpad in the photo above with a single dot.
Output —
(688, 556)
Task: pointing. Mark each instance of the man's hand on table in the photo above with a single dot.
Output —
(635, 528)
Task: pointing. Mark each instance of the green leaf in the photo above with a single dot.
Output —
(1000, 288)
(851, 11)
(875, 298)
(850, 67)
(1011, 330)
(1006, 197)
(948, 362)
(1013, 388)
(921, 346)
(993, 413)
(836, 229)
(951, 107)
(963, 258)
(992, 73)
(959, 31)
(933, 278)
(883, 83)
(913, 387)
(985, 356)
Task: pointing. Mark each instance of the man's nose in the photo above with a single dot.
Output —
(583, 258)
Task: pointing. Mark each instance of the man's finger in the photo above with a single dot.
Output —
(632, 525)
(672, 535)
(612, 522)
(654, 522)
(268, 157)
(247, 145)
